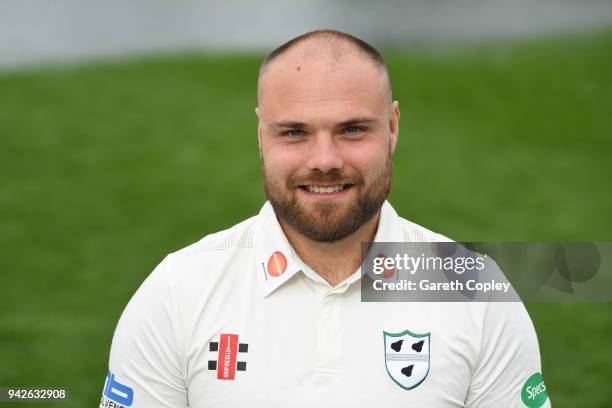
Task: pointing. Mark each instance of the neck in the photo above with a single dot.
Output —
(333, 261)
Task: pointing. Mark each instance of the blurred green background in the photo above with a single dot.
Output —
(105, 168)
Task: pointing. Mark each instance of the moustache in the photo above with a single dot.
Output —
(318, 177)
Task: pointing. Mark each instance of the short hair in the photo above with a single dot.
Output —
(335, 39)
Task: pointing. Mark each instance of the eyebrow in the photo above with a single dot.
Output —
(288, 124)
(359, 121)
(350, 122)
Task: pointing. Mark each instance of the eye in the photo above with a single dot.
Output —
(293, 132)
(353, 130)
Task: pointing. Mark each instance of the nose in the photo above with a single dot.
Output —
(323, 154)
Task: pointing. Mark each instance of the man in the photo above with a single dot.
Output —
(268, 313)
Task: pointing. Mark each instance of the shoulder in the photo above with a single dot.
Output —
(496, 318)
(417, 233)
(189, 276)
(213, 251)
(196, 262)
(239, 236)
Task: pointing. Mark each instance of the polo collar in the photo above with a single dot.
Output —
(277, 262)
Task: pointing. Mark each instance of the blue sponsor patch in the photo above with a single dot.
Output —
(117, 392)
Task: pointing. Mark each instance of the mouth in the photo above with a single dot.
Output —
(331, 189)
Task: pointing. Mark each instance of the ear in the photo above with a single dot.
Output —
(259, 128)
(394, 124)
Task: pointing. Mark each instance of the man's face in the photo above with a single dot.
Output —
(326, 133)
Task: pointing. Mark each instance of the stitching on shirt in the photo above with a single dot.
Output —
(230, 240)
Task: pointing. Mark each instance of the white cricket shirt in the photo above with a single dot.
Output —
(237, 320)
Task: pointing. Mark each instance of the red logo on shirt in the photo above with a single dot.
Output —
(227, 348)
(277, 264)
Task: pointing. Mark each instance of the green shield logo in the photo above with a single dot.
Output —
(407, 357)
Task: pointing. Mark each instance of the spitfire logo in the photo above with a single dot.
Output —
(407, 357)
(227, 349)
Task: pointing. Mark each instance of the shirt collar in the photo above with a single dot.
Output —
(277, 262)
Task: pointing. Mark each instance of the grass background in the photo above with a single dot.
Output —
(106, 167)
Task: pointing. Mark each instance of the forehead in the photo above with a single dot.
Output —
(311, 88)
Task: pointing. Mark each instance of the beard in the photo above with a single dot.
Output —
(327, 221)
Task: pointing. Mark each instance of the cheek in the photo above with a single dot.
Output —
(281, 163)
(369, 159)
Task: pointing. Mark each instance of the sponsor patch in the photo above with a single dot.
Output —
(115, 394)
(534, 393)
(277, 264)
(228, 349)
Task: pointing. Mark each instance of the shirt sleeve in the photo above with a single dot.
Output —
(508, 371)
(145, 365)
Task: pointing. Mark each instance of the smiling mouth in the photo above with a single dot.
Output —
(325, 189)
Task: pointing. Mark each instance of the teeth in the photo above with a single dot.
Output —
(330, 189)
